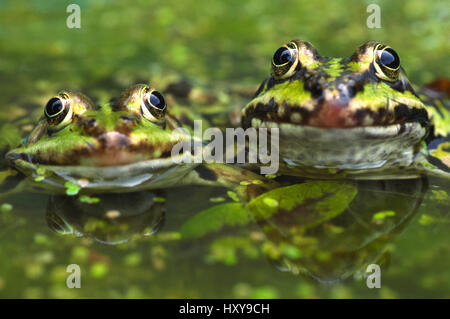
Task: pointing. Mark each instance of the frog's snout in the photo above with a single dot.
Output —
(333, 108)
(114, 140)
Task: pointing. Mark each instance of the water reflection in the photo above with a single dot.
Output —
(327, 230)
(316, 238)
(108, 218)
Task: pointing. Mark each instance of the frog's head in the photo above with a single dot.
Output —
(78, 139)
(75, 132)
(304, 88)
(335, 104)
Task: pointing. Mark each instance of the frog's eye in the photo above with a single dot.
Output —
(386, 63)
(58, 111)
(285, 61)
(153, 106)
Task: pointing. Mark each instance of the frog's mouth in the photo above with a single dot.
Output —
(333, 113)
(111, 149)
(111, 163)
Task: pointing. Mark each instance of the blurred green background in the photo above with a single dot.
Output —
(208, 40)
(226, 42)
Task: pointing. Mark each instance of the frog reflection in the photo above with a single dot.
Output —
(107, 218)
(336, 229)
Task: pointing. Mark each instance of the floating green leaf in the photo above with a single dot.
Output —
(89, 200)
(40, 171)
(382, 215)
(39, 178)
(322, 199)
(159, 199)
(72, 189)
(214, 218)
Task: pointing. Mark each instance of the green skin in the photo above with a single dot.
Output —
(118, 147)
(349, 117)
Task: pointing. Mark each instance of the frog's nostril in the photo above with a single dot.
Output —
(349, 87)
(316, 90)
(126, 124)
(89, 125)
(91, 128)
(127, 120)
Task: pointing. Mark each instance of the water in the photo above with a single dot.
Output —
(168, 249)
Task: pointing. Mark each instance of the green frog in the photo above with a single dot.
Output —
(353, 117)
(122, 146)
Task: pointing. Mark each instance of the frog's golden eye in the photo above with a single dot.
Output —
(153, 106)
(386, 63)
(285, 61)
(58, 111)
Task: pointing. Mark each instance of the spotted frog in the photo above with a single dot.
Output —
(353, 117)
(122, 146)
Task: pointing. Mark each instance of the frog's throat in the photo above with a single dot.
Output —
(350, 148)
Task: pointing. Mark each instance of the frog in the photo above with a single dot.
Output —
(124, 145)
(356, 117)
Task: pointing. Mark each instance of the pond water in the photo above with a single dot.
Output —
(318, 237)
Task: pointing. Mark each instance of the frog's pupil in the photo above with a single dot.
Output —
(157, 100)
(54, 106)
(390, 58)
(282, 56)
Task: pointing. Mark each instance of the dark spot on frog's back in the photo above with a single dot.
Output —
(438, 163)
(313, 82)
(263, 108)
(361, 114)
(381, 115)
(260, 110)
(315, 89)
(404, 113)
